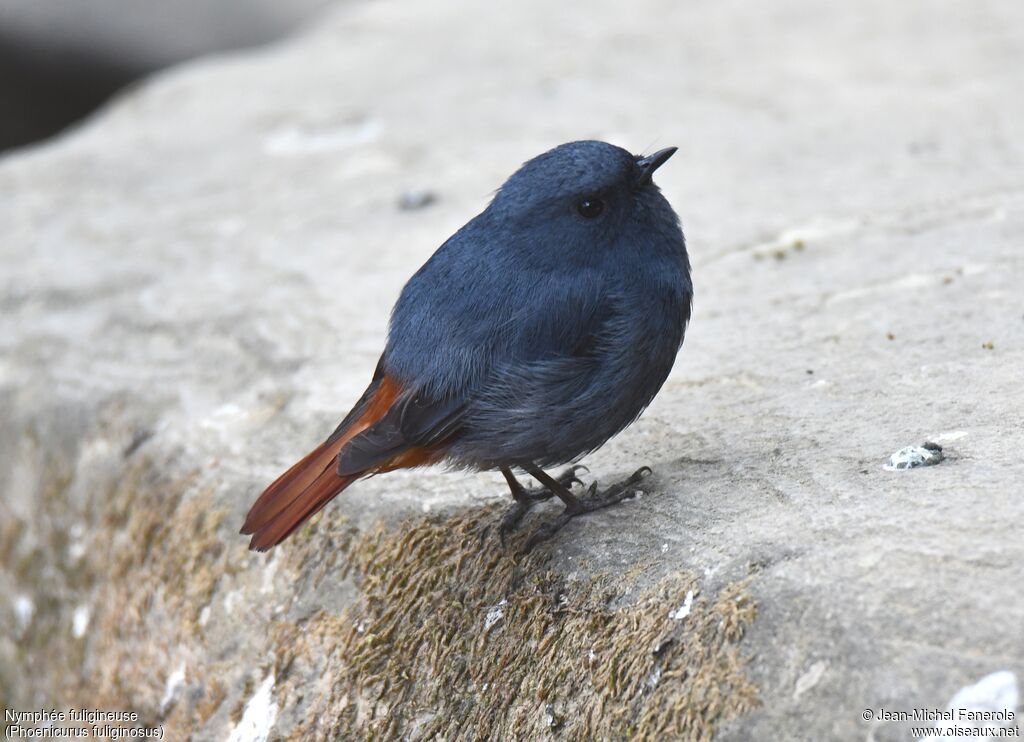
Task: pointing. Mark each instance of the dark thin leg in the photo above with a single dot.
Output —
(579, 505)
(526, 499)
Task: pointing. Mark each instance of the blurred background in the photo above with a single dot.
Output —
(59, 60)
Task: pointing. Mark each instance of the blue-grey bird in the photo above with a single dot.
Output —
(534, 334)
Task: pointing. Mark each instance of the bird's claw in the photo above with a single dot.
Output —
(570, 476)
(593, 500)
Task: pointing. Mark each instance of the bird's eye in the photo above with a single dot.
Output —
(590, 208)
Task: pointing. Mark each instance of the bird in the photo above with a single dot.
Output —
(538, 331)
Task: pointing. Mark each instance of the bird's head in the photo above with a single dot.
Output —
(585, 196)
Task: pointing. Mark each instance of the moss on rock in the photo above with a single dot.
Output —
(455, 637)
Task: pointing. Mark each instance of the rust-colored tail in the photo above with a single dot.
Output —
(296, 496)
(303, 490)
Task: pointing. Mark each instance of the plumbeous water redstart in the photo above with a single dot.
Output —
(534, 334)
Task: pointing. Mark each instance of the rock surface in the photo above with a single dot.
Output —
(196, 284)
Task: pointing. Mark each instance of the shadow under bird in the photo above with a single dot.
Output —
(538, 331)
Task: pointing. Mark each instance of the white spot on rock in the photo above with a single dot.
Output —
(815, 231)
(294, 140)
(80, 621)
(810, 678)
(24, 610)
(269, 572)
(76, 543)
(684, 610)
(494, 615)
(175, 682)
(912, 457)
(993, 693)
(259, 715)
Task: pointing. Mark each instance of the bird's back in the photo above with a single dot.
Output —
(549, 363)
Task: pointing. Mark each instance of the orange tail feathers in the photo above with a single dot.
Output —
(304, 489)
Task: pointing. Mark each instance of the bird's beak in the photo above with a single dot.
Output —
(651, 163)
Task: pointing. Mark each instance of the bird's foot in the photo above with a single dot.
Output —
(593, 500)
(566, 479)
(525, 499)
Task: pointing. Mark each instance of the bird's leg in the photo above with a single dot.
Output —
(526, 498)
(579, 505)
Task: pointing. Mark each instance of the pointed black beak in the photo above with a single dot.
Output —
(651, 163)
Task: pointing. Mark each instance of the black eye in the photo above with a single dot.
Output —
(590, 208)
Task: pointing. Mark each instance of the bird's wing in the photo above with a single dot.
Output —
(566, 326)
(413, 428)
